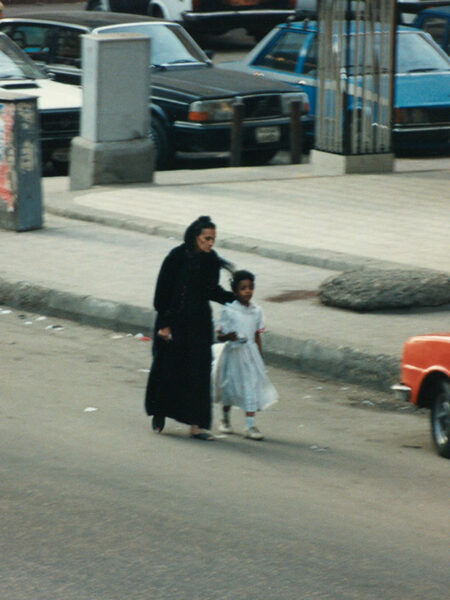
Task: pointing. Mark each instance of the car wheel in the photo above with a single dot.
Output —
(164, 152)
(257, 157)
(440, 419)
(61, 167)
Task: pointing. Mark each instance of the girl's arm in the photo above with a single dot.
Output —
(258, 342)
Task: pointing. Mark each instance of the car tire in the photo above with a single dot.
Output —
(254, 158)
(163, 150)
(95, 5)
(154, 11)
(258, 34)
(440, 418)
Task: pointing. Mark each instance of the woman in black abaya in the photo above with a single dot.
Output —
(179, 381)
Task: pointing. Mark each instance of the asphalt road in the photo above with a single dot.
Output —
(344, 499)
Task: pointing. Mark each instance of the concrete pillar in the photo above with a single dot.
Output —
(113, 146)
(20, 163)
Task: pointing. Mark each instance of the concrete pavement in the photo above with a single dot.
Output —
(95, 260)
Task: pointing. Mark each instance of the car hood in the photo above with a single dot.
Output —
(422, 89)
(50, 95)
(200, 82)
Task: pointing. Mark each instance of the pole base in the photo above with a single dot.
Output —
(98, 163)
(327, 163)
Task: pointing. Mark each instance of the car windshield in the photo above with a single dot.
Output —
(15, 64)
(170, 43)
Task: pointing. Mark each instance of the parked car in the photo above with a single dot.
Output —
(422, 82)
(58, 104)
(191, 100)
(204, 16)
(425, 382)
(436, 22)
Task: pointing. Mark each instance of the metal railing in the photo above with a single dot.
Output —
(356, 50)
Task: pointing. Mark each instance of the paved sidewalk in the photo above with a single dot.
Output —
(291, 229)
(336, 222)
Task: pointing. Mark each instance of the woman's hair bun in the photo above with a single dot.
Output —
(204, 219)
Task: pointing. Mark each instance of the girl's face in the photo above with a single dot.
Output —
(244, 291)
(205, 241)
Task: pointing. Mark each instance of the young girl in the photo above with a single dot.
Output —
(240, 377)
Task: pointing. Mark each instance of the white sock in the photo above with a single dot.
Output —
(249, 422)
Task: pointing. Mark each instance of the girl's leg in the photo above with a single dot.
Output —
(251, 431)
(225, 425)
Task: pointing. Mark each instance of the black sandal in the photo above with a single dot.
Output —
(158, 423)
(203, 435)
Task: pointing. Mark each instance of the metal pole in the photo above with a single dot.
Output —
(296, 133)
(236, 133)
(345, 95)
(394, 18)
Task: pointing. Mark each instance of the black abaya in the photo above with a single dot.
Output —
(179, 381)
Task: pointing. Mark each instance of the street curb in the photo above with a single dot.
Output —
(87, 310)
(323, 259)
(333, 362)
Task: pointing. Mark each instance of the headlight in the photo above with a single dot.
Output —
(211, 110)
(287, 99)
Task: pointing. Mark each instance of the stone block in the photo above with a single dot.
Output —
(377, 289)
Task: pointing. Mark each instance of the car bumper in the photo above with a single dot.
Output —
(421, 138)
(225, 20)
(216, 137)
(401, 392)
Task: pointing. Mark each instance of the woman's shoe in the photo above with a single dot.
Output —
(158, 423)
(203, 435)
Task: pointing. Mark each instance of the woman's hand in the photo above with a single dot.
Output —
(165, 333)
(227, 337)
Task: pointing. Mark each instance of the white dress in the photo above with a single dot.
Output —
(239, 376)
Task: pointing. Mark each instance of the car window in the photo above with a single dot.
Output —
(170, 44)
(435, 26)
(283, 54)
(416, 53)
(34, 39)
(310, 64)
(68, 47)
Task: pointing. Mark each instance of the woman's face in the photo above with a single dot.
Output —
(205, 241)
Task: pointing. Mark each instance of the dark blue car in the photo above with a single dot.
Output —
(421, 119)
(436, 22)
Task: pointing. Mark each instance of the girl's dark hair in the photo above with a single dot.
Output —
(195, 229)
(239, 276)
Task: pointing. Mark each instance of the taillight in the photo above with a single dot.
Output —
(197, 5)
(399, 115)
(293, 4)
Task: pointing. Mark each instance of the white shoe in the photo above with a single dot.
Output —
(225, 427)
(253, 433)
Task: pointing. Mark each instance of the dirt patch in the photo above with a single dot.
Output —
(291, 295)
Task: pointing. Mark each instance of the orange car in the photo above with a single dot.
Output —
(425, 381)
